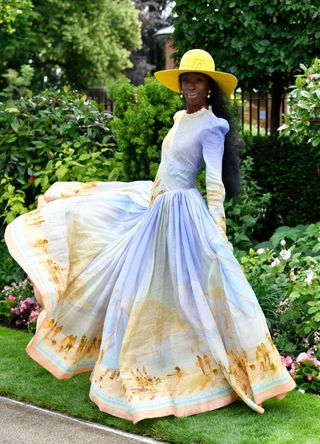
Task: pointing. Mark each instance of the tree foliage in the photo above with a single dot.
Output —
(9, 10)
(79, 43)
(154, 15)
(261, 42)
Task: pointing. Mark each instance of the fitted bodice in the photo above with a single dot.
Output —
(182, 150)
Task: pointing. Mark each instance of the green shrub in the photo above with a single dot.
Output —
(9, 269)
(58, 135)
(143, 118)
(245, 215)
(302, 122)
(287, 171)
(285, 274)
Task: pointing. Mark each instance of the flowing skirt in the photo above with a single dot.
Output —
(149, 298)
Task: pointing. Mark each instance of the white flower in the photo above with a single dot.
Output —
(282, 242)
(260, 251)
(275, 262)
(309, 278)
(292, 276)
(282, 127)
(285, 254)
(302, 357)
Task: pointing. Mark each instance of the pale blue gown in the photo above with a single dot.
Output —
(140, 286)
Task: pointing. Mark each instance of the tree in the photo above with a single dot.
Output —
(262, 42)
(80, 43)
(9, 12)
(154, 15)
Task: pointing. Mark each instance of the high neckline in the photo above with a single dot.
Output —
(197, 113)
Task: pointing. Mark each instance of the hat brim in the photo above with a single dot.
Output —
(170, 79)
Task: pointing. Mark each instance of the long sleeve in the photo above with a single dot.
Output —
(213, 148)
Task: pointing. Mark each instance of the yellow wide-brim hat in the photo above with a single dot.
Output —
(197, 60)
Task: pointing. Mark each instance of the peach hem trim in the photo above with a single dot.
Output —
(278, 392)
(166, 411)
(44, 362)
(19, 257)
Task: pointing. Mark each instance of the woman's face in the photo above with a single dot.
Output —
(195, 87)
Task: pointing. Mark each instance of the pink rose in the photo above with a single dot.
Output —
(309, 377)
(11, 298)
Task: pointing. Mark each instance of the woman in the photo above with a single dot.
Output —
(139, 283)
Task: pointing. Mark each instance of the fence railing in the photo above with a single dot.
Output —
(100, 95)
(254, 110)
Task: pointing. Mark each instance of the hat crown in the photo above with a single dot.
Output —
(198, 60)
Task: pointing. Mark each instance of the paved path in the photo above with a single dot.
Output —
(22, 423)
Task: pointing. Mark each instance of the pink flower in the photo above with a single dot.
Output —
(308, 357)
(33, 316)
(288, 361)
(292, 372)
(11, 298)
(309, 377)
(28, 301)
(13, 310)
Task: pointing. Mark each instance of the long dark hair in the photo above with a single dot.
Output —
(232, 145)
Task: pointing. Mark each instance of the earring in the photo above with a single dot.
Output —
(181, 96)
(209, 94)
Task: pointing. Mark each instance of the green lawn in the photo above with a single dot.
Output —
(292, 420)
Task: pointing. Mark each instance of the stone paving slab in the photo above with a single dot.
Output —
(22, 423)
